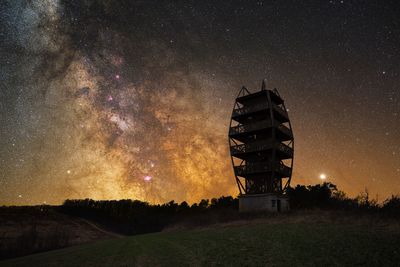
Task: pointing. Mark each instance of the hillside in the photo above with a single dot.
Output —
(26, 230)
(290, 240)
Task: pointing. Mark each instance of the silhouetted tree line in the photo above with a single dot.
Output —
(327, 196)
(134, 216)
(315, 196)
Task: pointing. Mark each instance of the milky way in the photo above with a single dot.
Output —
(132, 99)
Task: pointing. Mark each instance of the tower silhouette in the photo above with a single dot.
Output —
(261, 146)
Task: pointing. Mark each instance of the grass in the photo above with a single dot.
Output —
(256, 244)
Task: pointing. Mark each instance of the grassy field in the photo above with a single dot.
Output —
(256, 244)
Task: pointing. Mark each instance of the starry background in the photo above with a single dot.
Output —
(132, 99)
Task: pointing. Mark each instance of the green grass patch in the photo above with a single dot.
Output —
(292, 244)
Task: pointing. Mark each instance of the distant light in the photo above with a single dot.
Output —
(383, 72)
(322, 176)
(20, 196)
(117, 76)
(109, 98)
(147, 178)
(68, 171)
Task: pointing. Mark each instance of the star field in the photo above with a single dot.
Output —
(132, 99)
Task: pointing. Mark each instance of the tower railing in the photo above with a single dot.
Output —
(254, 168)
(285, 149)
(250, 109)
(243, 128)
(260, 146)
(281, 110)
(285, 130)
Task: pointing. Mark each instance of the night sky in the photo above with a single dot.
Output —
(132, 99)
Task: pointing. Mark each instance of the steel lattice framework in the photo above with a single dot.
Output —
(261, 142)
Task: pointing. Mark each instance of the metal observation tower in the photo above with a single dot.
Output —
(261, 146)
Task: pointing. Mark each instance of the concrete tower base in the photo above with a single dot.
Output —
(263, 202)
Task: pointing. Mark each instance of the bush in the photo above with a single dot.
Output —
(391, 206)
(311, 196)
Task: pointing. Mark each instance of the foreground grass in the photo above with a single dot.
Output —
(264, 244)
